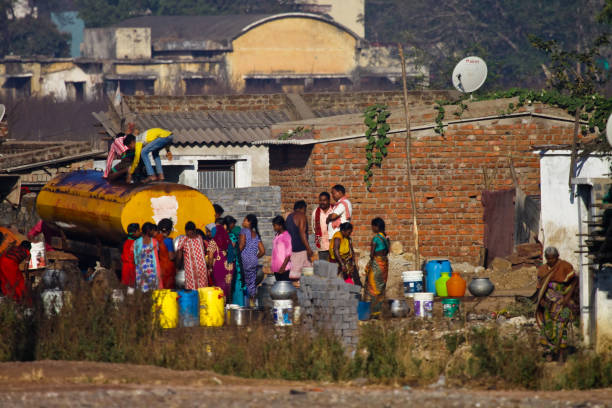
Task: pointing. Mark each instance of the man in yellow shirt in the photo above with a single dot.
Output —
(151, 141)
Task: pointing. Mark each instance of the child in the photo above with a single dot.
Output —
(281, 250)
(146, 259)
(128, 269)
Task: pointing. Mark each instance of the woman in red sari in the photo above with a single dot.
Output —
(128, 268)
(166, 253)
(191, 254)
(12, 283)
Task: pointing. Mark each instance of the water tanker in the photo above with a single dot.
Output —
(87, 207)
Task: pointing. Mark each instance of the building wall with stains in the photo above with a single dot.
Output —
(292, 46)
(449, 173)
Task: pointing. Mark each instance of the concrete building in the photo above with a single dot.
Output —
(194, 55)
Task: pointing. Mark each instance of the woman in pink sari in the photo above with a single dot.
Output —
(222, 271)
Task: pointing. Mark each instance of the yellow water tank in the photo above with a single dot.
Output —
(85, 205)
(165, 308)
(212, 306)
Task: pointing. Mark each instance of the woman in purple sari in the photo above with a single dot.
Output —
(222, 271)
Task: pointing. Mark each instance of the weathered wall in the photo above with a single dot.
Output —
(132, 43)
(252, 167)
(559, 214)
(322, 102)
(448, 177)
(264, 202)
(291, 46)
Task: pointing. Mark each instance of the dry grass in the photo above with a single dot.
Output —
(93, 328)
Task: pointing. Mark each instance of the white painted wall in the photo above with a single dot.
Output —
(252, 166)
(559, 215)
(54, 83)
(562, 219)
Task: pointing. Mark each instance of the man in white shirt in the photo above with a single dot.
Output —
(342, 210)
(319, 225)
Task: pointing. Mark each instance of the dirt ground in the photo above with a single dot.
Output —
(76, 384)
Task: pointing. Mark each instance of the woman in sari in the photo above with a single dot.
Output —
(238, 287)
(251, 249)
(557, 306)
(341, 252)
(222, 270)
(191, 253)
(12, 283)
(377, 269)
(146, 259)
(166, 253)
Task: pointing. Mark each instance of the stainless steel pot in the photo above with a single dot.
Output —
(481, 287)
(54, 279)
(260, 275)
(238, 317)
(179, 279)
(282, 290)
(398, 307)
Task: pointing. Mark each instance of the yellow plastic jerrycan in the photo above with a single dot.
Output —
(165, 308)
(212, 306)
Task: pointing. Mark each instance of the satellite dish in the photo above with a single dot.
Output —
(2, 111)
(469, 74)
(609, 130)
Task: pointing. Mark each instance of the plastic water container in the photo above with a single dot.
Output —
(189, 308)
(364, 310)
(165, 307)
(53, 301)
(212, 306)
(434, 270)
(413, 282)
(282, 312)
(423, 304)
(450, 307)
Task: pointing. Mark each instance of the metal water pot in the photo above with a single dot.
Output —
(398, 307)
(282, 290)
(481, 287)
(54, 279)
(238, 317)
(179, 279)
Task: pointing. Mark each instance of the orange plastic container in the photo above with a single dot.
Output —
(456, 285)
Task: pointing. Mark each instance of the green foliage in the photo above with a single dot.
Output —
(102, 13)
(30, 36)
(381, 360)
(584, 371)
(447, 31)
(375, 119)
(511, 359)
(297, 132)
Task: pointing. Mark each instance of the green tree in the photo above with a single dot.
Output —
(102, 13)
(30, 36)
(497, 30)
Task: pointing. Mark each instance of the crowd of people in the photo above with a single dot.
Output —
(227, 256)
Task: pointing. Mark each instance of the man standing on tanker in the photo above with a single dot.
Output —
(151, 141)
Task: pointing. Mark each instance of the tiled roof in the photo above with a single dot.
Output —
(214, 127)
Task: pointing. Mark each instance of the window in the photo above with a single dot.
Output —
(216, 174)
(18, 86)
(198, 86)
(75, 91)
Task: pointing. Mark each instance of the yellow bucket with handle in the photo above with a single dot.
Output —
(165, 308)
(212, 306)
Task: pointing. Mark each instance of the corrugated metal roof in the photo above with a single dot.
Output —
(214, 127)
(207, 32)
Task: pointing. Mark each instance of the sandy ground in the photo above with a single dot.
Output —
(77, 384)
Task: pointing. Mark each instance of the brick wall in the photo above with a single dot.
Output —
(448, 174)
(264, 202)
(319, 101)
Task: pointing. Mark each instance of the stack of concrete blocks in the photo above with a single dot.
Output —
(264, 202)
(328, 303)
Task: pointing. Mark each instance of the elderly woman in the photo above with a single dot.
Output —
(557, 304)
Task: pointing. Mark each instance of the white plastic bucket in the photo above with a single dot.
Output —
(282, 312)
(423, 304)
(53, 301)
(37, 256)
(413, 282)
